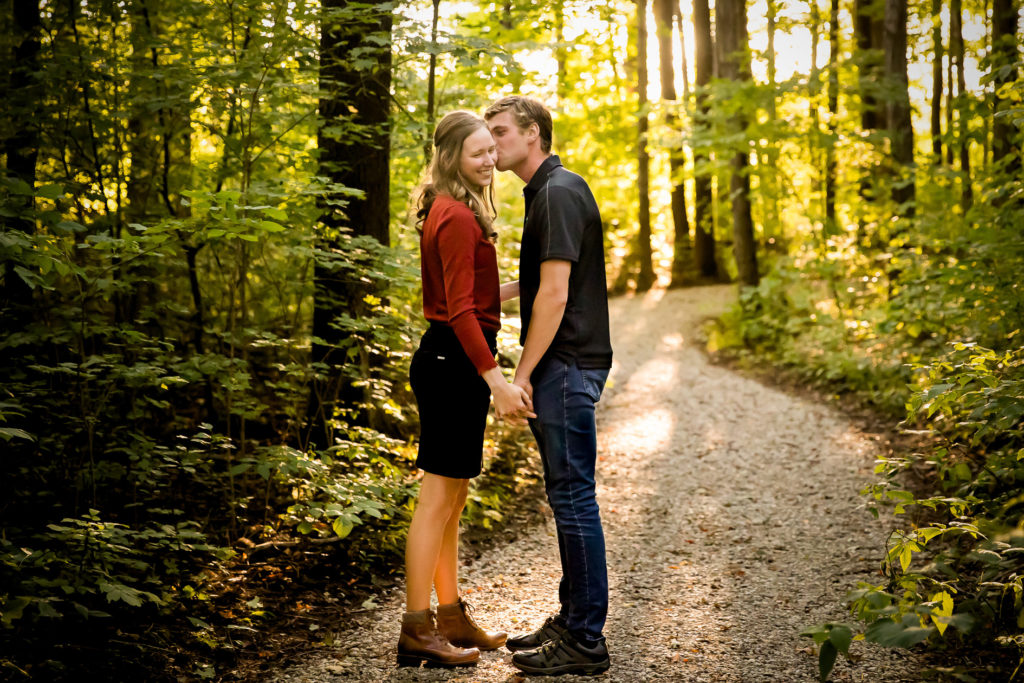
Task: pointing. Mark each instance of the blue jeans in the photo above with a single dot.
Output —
(563, 399)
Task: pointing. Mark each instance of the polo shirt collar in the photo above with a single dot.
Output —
(541, 175)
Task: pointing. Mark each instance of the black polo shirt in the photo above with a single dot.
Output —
(563, 222)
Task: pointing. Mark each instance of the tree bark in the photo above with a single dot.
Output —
(869, 35)
(428, 144)
(645, 278)
(898, 123)
(561, 54)
(704, 220)
(768, 157)
(833, 119)
(937, 53)
(359, 98)
(734, 64)
(956, 55)
(1005, 55)
(663, 13)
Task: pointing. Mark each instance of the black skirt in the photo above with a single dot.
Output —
(453, 401)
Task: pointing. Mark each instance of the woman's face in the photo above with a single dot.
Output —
(478, 156)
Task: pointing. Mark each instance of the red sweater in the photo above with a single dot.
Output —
(459, 266)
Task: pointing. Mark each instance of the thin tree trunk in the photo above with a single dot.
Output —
(561, 54)
(950, 108)
(645, 279)
(677, 12)
(704, 219)
(734, 64)
(901, 133)
(663, 11)
(937, 53)
(814, 82)
(768, 158)
(956, 55)
(833, 119)
(428, 144)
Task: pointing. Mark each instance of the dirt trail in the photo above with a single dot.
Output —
(732, 517)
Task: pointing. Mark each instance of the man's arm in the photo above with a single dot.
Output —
(548, 308)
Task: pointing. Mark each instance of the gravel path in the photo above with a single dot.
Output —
(732, 517)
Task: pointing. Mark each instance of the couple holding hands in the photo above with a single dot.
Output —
(562, 371)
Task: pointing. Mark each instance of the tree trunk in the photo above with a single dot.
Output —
(734, 64)
(561, 54)
(814, 84)
(956, 55)
(1004, 58)
(663, 13)
(359, 98)
(428, 144)
(704, 218)
(22, 147)
(898, 123)
(768, 161)
(868, 32)
(645, 279)
(937, 53)
(833, 119)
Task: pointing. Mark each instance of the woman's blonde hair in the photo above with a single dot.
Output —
(445, 177)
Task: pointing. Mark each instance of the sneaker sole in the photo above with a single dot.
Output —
(582, 669)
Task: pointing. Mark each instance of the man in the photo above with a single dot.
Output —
(565, 361)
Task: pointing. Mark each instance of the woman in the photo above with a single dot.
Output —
(453, 375)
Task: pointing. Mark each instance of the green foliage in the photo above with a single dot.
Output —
(957, 561)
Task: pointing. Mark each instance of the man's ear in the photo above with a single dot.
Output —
(533, 132)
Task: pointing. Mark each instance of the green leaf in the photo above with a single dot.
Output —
(342, 528)
(905, 634)
(240, 468)
(8, 433)
(119, 591)
(271, 226)
(826, 660)
(50, 191)
(13, 608)
(840, 636)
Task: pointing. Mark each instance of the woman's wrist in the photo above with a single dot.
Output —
(494, 377)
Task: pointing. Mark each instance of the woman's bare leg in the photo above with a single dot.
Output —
(438, 497)
(446, 576)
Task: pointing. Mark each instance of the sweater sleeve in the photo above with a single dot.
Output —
(456, 244)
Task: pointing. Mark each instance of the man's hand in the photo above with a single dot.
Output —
(524, 382)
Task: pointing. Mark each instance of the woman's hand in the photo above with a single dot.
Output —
(510, 400)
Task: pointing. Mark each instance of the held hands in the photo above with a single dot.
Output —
(510, 400)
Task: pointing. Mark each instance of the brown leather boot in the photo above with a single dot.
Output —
(456, 624)
(420, 642)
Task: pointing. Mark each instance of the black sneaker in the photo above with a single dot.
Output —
(552, 628)
(564, 655)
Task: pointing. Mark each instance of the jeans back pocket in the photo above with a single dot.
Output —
(593, 382)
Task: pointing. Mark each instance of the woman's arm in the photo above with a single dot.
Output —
(509, 290)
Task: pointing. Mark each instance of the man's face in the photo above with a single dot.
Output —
(513, 143)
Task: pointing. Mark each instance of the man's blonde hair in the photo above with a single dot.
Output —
(525, 110)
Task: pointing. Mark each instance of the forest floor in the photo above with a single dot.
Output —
(732, 517)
